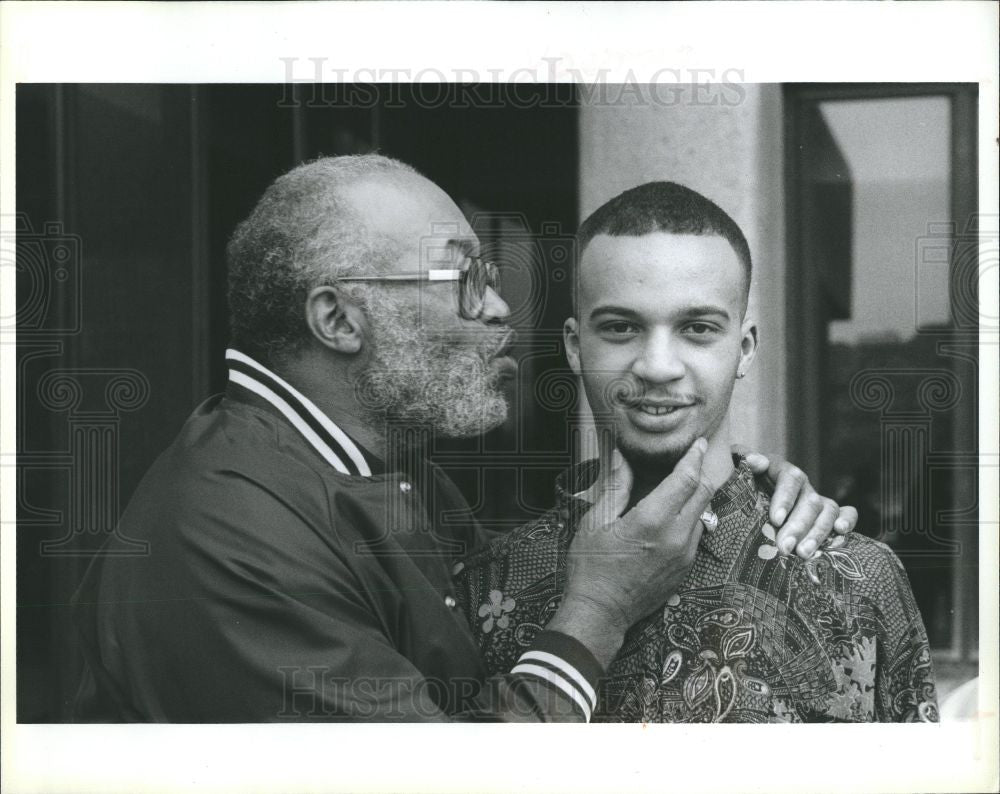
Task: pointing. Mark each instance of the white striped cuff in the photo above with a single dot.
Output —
(565, 663)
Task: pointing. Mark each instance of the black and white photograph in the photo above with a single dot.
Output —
(650, 394)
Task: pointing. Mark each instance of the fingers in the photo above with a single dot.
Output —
(776, 466)
(801, 520)
(616, 488)
(791, 482)
(675, 491)
(821, 529)
(693, 539)
(670, 512)
(846, 521)
(610, 493)
(757, 462)
(697, 503)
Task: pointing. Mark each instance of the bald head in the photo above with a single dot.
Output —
(325, 219)
(406, 210)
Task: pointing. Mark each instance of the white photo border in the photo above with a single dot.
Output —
(457, 41)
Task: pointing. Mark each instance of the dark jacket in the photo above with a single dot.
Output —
(289, 579)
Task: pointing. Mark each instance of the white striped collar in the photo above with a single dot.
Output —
(332, 443)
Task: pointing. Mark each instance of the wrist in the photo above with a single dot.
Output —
(599, 628)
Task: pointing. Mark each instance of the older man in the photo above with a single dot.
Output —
(299, 568)
(660, 335)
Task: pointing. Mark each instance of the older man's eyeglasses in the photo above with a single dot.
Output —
(473, 282)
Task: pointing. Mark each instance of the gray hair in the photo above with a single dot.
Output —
(302, 234)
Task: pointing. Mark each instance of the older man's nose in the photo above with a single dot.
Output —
(495, 308)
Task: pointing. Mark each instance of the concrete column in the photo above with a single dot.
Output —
(726, 144)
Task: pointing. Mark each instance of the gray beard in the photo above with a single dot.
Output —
(419, 380)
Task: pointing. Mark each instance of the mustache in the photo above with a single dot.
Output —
(490, 343)
(503, 343)
(631, 393)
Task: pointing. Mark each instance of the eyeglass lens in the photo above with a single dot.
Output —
(479, 276)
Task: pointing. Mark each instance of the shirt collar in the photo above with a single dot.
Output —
(737, 495)
(332, 444)
(736, 501)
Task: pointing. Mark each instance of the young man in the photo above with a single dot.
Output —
(298, 569)
(660, 335)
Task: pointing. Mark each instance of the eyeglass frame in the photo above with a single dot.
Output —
(460, 275)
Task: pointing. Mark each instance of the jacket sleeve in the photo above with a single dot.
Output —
(245, 613)
(510, 589)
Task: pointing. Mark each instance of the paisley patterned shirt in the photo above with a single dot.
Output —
(752, 636)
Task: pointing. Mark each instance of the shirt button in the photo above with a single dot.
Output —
(450, 602)
(405, 487)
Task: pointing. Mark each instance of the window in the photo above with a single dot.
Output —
(883, 330)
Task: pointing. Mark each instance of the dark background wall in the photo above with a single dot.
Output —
(126, 196)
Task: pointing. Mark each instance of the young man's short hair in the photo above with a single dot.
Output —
(662, 207)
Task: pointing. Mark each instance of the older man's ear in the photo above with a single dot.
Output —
(335, 321)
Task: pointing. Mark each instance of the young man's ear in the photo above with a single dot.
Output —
(571, 338)
(748, 347)
(335, 321)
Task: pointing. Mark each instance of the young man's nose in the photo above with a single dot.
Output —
(659, 362)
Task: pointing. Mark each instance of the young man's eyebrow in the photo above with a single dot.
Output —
(687, 312)
(706, 311)
(619, 310)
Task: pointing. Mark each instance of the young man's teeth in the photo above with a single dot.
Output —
(657, 410)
